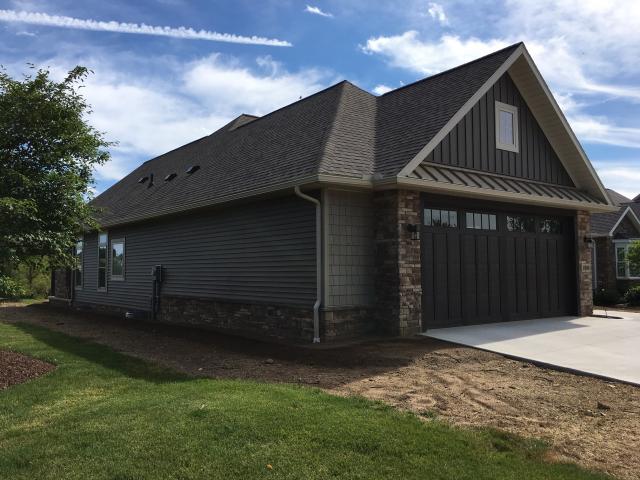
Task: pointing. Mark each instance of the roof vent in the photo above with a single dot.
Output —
(150, 180)
(143, 179)
(193, 169)
(170, 177)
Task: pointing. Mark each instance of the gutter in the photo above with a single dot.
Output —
(316, 305)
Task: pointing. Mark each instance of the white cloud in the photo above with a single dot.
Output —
(149, 114)
(317, 11)
(593, 129)
(622, 177)
(381, 89)
(427, 57)
(35, 18)
(436, 11)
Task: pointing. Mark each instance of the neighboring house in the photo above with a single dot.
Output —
(462, 198)
(612, 234)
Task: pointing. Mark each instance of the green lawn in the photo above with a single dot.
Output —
(104, 415)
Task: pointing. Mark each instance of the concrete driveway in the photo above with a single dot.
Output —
(606, 347)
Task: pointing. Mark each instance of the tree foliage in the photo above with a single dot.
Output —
(633, 256)
(47, 154)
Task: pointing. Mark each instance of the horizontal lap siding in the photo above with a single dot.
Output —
(263, 252)
(472, 142)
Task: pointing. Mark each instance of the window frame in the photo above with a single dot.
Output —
(78, 266)
(513, 110)
(117, 278)
(441, 209)
(106, 262)
(623, 244)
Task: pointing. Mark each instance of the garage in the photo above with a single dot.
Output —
(484, 262)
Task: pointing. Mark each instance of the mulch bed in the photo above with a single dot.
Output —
(16, 368)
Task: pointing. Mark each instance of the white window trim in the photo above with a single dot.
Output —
(514, 111)
(623, 243)
(106, 266)
(117, 278)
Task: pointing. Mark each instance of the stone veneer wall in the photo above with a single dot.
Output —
(585, 283)
(398, 267)
(339, 323)
(273, 322)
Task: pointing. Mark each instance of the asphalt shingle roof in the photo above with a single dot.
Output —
(602, 223)
(340, 131)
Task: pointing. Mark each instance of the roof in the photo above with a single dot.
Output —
(617, 198)
(493, 185)
(604, 224)
(342, 134)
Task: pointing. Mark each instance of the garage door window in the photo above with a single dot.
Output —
(521, 223)
(480, 221)
(440, 218)
(550, 225)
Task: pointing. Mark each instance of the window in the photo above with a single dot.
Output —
(102, 261)
(440, 218)
(480, 221)
(550, 225)
(624, 269)
(506, 127)
(79, 261)
(117, 260)
(521, 223)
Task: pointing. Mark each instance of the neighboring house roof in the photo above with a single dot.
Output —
(605, 224)
(340, 135)
(617, 198)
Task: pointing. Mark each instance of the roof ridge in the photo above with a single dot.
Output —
(329, 130)
(450, 70)
(300, 100)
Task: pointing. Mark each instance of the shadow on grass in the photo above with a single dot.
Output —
(102, 356)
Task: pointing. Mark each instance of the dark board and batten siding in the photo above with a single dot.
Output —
(472, 143)
(263, 252)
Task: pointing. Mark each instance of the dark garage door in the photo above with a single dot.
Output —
(484, 265)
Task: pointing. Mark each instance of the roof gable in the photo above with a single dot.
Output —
(472, 142)
(545, 109)
(412, 116)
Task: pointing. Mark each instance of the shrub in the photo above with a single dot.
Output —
(10, 289)
(606, 297)
(632, 297)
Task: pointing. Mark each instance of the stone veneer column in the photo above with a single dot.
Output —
(398, 283)
(585, 292)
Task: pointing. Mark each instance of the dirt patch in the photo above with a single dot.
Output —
(17, 368)
(589, 421)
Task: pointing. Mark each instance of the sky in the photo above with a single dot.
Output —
(167, 72)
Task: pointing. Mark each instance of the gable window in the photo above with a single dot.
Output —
(102, 261)
(480, 221)
(117, 259)
(623, 268)
(506, 127)
(79, 264)
(440, 218)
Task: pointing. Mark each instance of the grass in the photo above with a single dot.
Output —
(105, 415)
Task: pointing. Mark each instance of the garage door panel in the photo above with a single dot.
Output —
(454, 277)
(493, 252)
(428, 288)
(476, 274)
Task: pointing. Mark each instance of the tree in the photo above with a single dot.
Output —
(633, 257)
(47, 155)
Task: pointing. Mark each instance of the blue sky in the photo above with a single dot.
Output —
(156, 88)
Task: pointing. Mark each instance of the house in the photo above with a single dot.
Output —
(612, 234)
(462, 198)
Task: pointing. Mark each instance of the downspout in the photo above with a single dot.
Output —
(316, 305)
